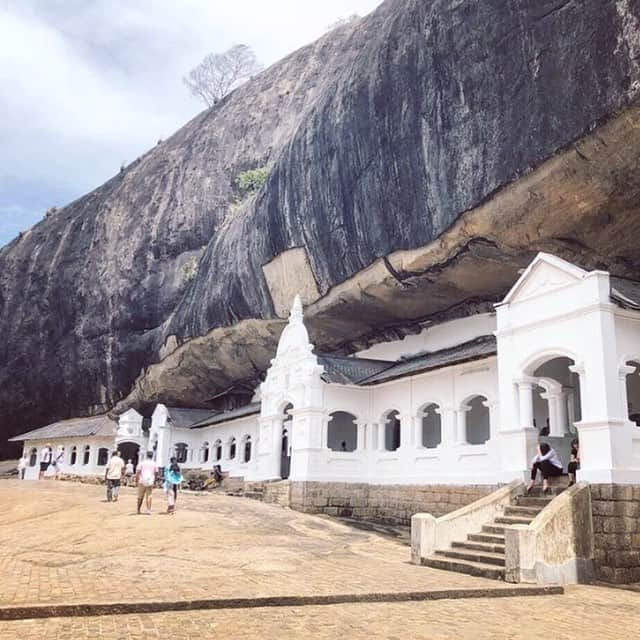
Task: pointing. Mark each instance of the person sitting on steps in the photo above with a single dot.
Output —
(574, 463)
(548, 463)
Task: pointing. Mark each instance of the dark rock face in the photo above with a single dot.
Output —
(402, 151)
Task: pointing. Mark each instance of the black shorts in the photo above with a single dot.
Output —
(44, 466)
(113, 483)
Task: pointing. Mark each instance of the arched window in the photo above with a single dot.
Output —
(247, 449)
(392, 430)
(431, 426)
(477, 420)
(217, 448)
(180, 451)
(232, 448)
(633, 393)
(73, 455)
(86, 454)
(204, 452)
(103, 456)
(342, 432)
(33, 457)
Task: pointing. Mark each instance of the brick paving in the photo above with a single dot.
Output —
(585, 613)
(59, 543)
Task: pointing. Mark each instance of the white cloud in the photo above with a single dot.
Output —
(87, 85)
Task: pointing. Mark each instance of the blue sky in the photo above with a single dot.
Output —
(89, 84)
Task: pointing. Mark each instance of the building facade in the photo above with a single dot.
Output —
(461, 404)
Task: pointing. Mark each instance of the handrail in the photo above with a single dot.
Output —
(429, 534)
(557, 546)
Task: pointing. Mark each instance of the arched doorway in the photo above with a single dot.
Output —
(556, 399)
(285, 448)
(129, 451)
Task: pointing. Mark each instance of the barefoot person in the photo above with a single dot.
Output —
(22, 467)
(548, 463)
(113, 476)
(45, 461)
(172, 480)
(574, 462)
(146, 478)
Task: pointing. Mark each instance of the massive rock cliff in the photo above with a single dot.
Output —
(418, 158)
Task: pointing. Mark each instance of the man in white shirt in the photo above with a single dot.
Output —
(146, 477)
(45, 461)
(113, 475)
(22, 467)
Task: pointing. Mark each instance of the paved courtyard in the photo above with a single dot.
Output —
(61, 544)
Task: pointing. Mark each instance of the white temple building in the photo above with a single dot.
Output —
(464, 402)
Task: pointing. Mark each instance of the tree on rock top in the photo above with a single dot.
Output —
(220, 73)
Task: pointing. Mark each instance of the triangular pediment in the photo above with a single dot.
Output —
(546, 273)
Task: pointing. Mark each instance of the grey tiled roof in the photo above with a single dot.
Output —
(481, 347)
(225, 416)
(184, 418)
(75, 427)
(625, 293)
(350, 370)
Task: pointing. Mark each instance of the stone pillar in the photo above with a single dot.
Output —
(448, 425)
(525, 399)
(362, 444)
(406, 431)
(269, 447)
(461, 424)
(307, 452)
(381, 434)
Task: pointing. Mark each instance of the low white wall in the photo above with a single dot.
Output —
(79, 468)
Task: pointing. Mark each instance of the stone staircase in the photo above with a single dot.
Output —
(482, 554)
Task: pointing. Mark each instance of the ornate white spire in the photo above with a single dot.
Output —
(294, 338)
(296, 315)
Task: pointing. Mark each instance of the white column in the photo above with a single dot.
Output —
(461, 424)
(525, 401)
(406, 431)
(381, 434)
(362, 444)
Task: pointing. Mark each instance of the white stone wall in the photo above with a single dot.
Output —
(79, 468)
(440, 336)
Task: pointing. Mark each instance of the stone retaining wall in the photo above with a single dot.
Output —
(616, 527)
(390, 504)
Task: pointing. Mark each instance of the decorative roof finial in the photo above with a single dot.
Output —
(295, 317)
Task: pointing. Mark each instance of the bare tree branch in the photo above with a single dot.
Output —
(220, 73)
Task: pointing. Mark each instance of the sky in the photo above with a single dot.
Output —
(87, 85)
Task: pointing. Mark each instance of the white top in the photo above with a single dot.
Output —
(129, 468)
(147, 472)
(45, 455)
(114, 468)
(22, 463)
(551, 455)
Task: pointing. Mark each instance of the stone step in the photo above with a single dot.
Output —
(525, 512)
(473, 556)
(493, 528)
(254, 495)
(532, 501)
(552, 491)
(478, 569)
(489, 538)
(513, 520)
(490, 547)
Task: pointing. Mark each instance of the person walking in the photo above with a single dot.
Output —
(574, 463)
(45, 461)
(113, 476)
(172, 480)
(129, 470)
(22, 467)
(146, 478)
(56, 460)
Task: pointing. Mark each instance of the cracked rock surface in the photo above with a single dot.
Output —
(418, 159)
